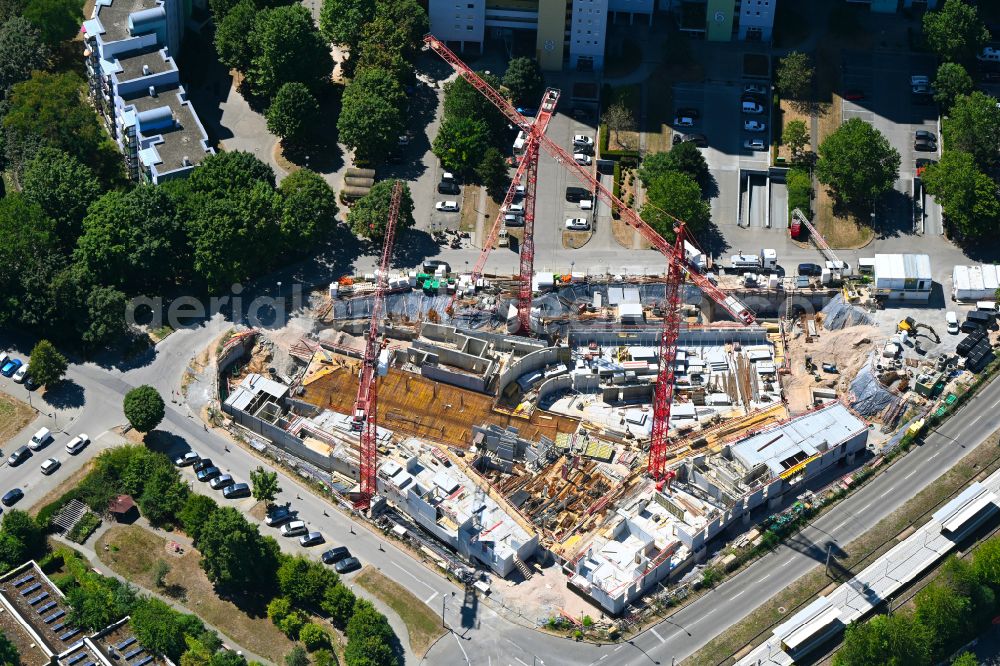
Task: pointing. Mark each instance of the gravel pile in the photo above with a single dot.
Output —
(839, 314)
(868, 396)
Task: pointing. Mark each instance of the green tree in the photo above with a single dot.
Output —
(795, 136)
(293, 114)
(278, 609)
(309, 211)
(461, 143)
(159, 628)
(393, 36)
(227, 658)
(144, 408)
(525, 81)
(492, 172)
(105, 321)
(264, 485)
(857, 162)
(56, 20)
(685, 158)
(986, 562)
(228, 173)
(342, 21)
(955, 32)
(287, 48)
(297, 657)
(675, 194)
(974, 127)
(369, 651)
(366, 621)
(48, 366)
(22, 51)
(338, 603)
(369, 214)
(195, 514)
(461, 100)
(8, 653)
(304, 582)
(951, 81)
(292, 623)
(968, 196)
(235, 556)
(163, 496)
(133, 240)
(324, 657)
(30, 249)
(885, 640)
(235, 50)
(965, 659)
(63, 187)
(52, 109)
(371, 118)
(794, 75)
(27, 534)
(944, 613)
(313, 636)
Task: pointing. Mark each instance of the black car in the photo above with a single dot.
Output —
(208, 473)
(335, 555)
(449, 187)
(236, 491)
(280, 515)
(699, 140)
(347, 565)
(687, 112)
(12, 497)
(810, 269)
(18, 456)
(924, 135)
(925, 146)
(203, 463)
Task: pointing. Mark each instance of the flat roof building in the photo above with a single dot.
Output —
(903, 276)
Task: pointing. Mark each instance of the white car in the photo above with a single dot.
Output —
(583, 139)
(952, 320)
(683, 121)
(754, 144)
(586, 204)
(21, 374)
(580, 158)
(516, 208)
(447, 206)
(78, 443)
(577, 224)
(49, 466)
(755, 88)
(752, 107)
(754, 126)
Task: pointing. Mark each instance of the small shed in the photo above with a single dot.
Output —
(903, 276)
(123, 509)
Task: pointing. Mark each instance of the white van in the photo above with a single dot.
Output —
(586, 204)
(40, 439)
(294, 528)
(987, 306)
(519, 142)
(752, 107)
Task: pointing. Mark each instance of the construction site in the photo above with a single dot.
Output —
(603, 433)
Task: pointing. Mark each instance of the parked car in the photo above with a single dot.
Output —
(335, 555)
(188, 458)
(18, 456)
(582, 159)
(236, 491)
(528, 111)
(952, 320)
(513, 220)
(30, 383)
(810, 269)
(50, 465)
(756, 88)
(10, 367)
(754, 144)
(699, 140)
(40, 439)
(80, 442)
(515, 208)
(583, 149)
(688, 112)
(311, 539)
(12, 497)
(202, 463)
(220, 482)
(924, 146)
(208, 473)
(922, 163)
(577, 224)
(449, 187)
(925, 135)
(683, 121)
(280, 515)
(583, 139)
(294, 528)
(754, 126)
(753, 107)
(347, 565)
(21, 373)
(447, 206)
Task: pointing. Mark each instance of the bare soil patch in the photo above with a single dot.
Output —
(14, 416)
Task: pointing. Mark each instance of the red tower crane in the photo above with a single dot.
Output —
(677, 265)
(365, 404)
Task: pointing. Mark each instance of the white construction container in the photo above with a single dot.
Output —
(974, 283)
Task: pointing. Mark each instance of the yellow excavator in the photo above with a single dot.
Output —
(912, 326)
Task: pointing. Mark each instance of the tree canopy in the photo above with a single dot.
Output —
(685, 158)
(64, 187)
(342, 21)
(232, 44)
(48, 366)
(293, 113)
(951, 81)
(886, 640)
(264, 485)
(309, 211)
(56, 20)
(22, 51)
(287, 48)
(525, 81)
(676, 194)
(461, 143)
(369, 214)
(461, 100)
(794, 75)
(955, 32)
(144, 408)
(235, 556)
(30, 250)
(967, 195)
(973, 126)
(857, 162)
(371, 118)
(492, 172)
(795, 136)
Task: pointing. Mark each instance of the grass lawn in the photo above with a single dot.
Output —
(422, 623)
(14, 415)
(753, 629)
(132, 552)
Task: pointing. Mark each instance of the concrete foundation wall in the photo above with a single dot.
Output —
(437, 373)
(536, 360)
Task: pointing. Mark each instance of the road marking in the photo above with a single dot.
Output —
(395, 564)
(459, 641)
(737, 594)
(618, 648)
(523, 662)
(909, 475)
(653, 631)
(841, 525)
(866, 506)
(429, 599)
(603, 658)
(764, 578)
(935, 455)
(886, 492)
(788, 561)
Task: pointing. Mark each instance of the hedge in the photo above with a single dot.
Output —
(799, 184)
(613, 154)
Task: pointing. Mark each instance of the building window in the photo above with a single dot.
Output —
(469, 28)
(471, 6)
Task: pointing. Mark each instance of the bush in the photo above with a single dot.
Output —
(84, 528)
(313, 636)
(292, 623)
(799, 184)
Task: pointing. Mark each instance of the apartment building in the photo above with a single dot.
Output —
(136, 87)
(568, 33)
(726, 20)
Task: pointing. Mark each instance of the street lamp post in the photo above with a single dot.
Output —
(279, 288)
